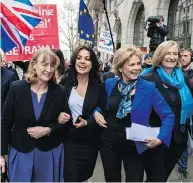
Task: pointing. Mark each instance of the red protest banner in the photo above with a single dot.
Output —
(44, 35)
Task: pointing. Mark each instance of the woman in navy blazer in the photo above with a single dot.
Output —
(85, 91)
(31, 134)
(130, 99)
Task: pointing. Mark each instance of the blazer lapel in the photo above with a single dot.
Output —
(139, 94)
(68, 90)
(2, 75)
(90, 93)
(161, 88)
(27, 99)
(49, 96)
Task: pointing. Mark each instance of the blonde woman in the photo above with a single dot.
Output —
(29, 123)
(130, 99)
(170, 81)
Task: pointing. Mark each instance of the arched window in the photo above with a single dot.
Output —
(138, 37)
(180, 22)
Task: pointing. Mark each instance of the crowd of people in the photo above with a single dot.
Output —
(55, 121)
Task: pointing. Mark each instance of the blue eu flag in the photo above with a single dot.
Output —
(85, 23)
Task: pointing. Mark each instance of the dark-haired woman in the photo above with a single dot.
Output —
(85, 92)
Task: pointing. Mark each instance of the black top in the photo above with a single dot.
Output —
(18, 115)
(115, 135)
(113, 106)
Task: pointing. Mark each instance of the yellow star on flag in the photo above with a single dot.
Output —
(81, 32)
(80, 12)
(87, 35)
(92, 35)
(85, 11)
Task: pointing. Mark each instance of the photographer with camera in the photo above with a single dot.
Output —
(156, 31)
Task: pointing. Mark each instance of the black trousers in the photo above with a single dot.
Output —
(173, 155)
(154, 162)
(112, 157)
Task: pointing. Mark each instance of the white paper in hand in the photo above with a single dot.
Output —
(140, 133)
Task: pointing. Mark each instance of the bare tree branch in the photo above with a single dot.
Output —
(64, 43)
(68, 29)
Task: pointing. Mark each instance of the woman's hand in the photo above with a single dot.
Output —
(100, 119)
(153, 142)
(38, 131)
(2, 164)
(82, 123)
(63, 118)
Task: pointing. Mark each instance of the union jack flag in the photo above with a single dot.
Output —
(17, 19)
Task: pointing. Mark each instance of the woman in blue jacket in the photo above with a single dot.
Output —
(176, 90)
(131, 99)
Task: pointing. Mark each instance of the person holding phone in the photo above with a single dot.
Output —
(85, 92)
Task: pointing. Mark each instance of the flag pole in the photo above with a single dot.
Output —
(105, 9)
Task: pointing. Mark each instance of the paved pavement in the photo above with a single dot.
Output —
(98, 175)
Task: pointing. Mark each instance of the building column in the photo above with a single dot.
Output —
(96, 23)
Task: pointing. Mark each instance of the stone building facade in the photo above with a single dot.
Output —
(127, 18)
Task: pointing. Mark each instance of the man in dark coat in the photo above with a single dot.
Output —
(7, 78)
(6, 65)
(187, 58)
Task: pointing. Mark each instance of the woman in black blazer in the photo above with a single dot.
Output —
(85, 92)
(29, 123)
(171, 83)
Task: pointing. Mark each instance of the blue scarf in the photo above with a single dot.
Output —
(125, 104)
(177, 80)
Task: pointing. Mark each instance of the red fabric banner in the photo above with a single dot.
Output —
(44, 35)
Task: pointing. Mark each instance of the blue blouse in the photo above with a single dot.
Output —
(38, 106)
